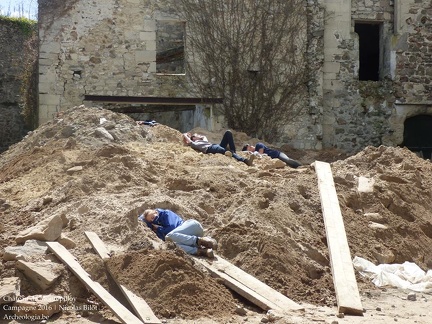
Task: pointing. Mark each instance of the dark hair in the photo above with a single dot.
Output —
(245, 147)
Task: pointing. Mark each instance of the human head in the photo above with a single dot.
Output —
(150, 215)
(248, 147)
(194, 137)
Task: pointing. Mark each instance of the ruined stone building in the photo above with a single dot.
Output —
(373, 87)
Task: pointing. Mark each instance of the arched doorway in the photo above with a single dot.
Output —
(418, 135)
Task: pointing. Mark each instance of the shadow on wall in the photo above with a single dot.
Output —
(181, 120)
(12, 126)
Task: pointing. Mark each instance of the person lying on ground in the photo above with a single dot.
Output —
(274, 154)
(148, 122)
(187, 234)
(200, 143)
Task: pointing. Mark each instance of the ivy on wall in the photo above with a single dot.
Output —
(26, 26)
(27, 60)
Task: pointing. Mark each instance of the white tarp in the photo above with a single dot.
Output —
(406, 276)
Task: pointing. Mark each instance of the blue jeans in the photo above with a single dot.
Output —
(227, 140)
(185, 236)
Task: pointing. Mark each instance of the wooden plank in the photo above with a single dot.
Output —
(248, 286)
(347, 294)
(116, 307)
(98, 245)
(282, 301)
(140, 306)
(239, 288)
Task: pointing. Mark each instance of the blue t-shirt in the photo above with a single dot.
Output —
(166, 219)
(274, 154)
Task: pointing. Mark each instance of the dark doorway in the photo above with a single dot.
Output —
(418, 135)
(369, 48)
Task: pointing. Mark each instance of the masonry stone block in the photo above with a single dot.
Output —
(30, 249)
(47, 61)
(145, 56)
(149, 25)
(147, 36)
(49, 99)
(331, 67)
(330, 76)
(45, 87)
(43, 274)
(54, 47)
(333, 84)
(46, 230)
(150, 46)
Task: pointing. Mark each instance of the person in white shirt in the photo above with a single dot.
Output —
(200, 143)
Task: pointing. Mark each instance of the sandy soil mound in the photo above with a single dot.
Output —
(99, 170)
(171, 286)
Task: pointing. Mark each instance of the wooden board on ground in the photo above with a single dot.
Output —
(98, 245)
(140, 306)
(248, 286)
(116, 307)
(347, 294)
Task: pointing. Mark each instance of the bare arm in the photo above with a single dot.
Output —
(187, 138)
(200, 137)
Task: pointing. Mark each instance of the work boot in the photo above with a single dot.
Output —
(249, 161)
(205, 252)
(207, 242)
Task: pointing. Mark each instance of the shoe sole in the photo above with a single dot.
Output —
(250, 160)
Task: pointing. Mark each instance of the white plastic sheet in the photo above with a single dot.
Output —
(406, 276)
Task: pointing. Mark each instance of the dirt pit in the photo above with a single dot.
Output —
(268, 220)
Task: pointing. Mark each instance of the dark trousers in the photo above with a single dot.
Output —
(227, 141)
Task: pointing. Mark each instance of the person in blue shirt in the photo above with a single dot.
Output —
(274, 154)
(187, 234)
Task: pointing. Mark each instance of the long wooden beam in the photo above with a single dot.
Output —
(248, 286)
(140, 306)
(116, 307)
(153, 100)
(347, 294)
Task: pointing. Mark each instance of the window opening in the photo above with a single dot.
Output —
(369, 48)
(418, 135)
(170, 46)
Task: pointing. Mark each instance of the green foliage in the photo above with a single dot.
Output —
(27, 26)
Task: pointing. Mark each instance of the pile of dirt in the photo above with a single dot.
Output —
(99, 170)
(172, 286)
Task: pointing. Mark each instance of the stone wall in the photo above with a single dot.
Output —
(361, 113)
(110, 48)
(12, 127)
(413, 54)
(101, 48)
(355, 111)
